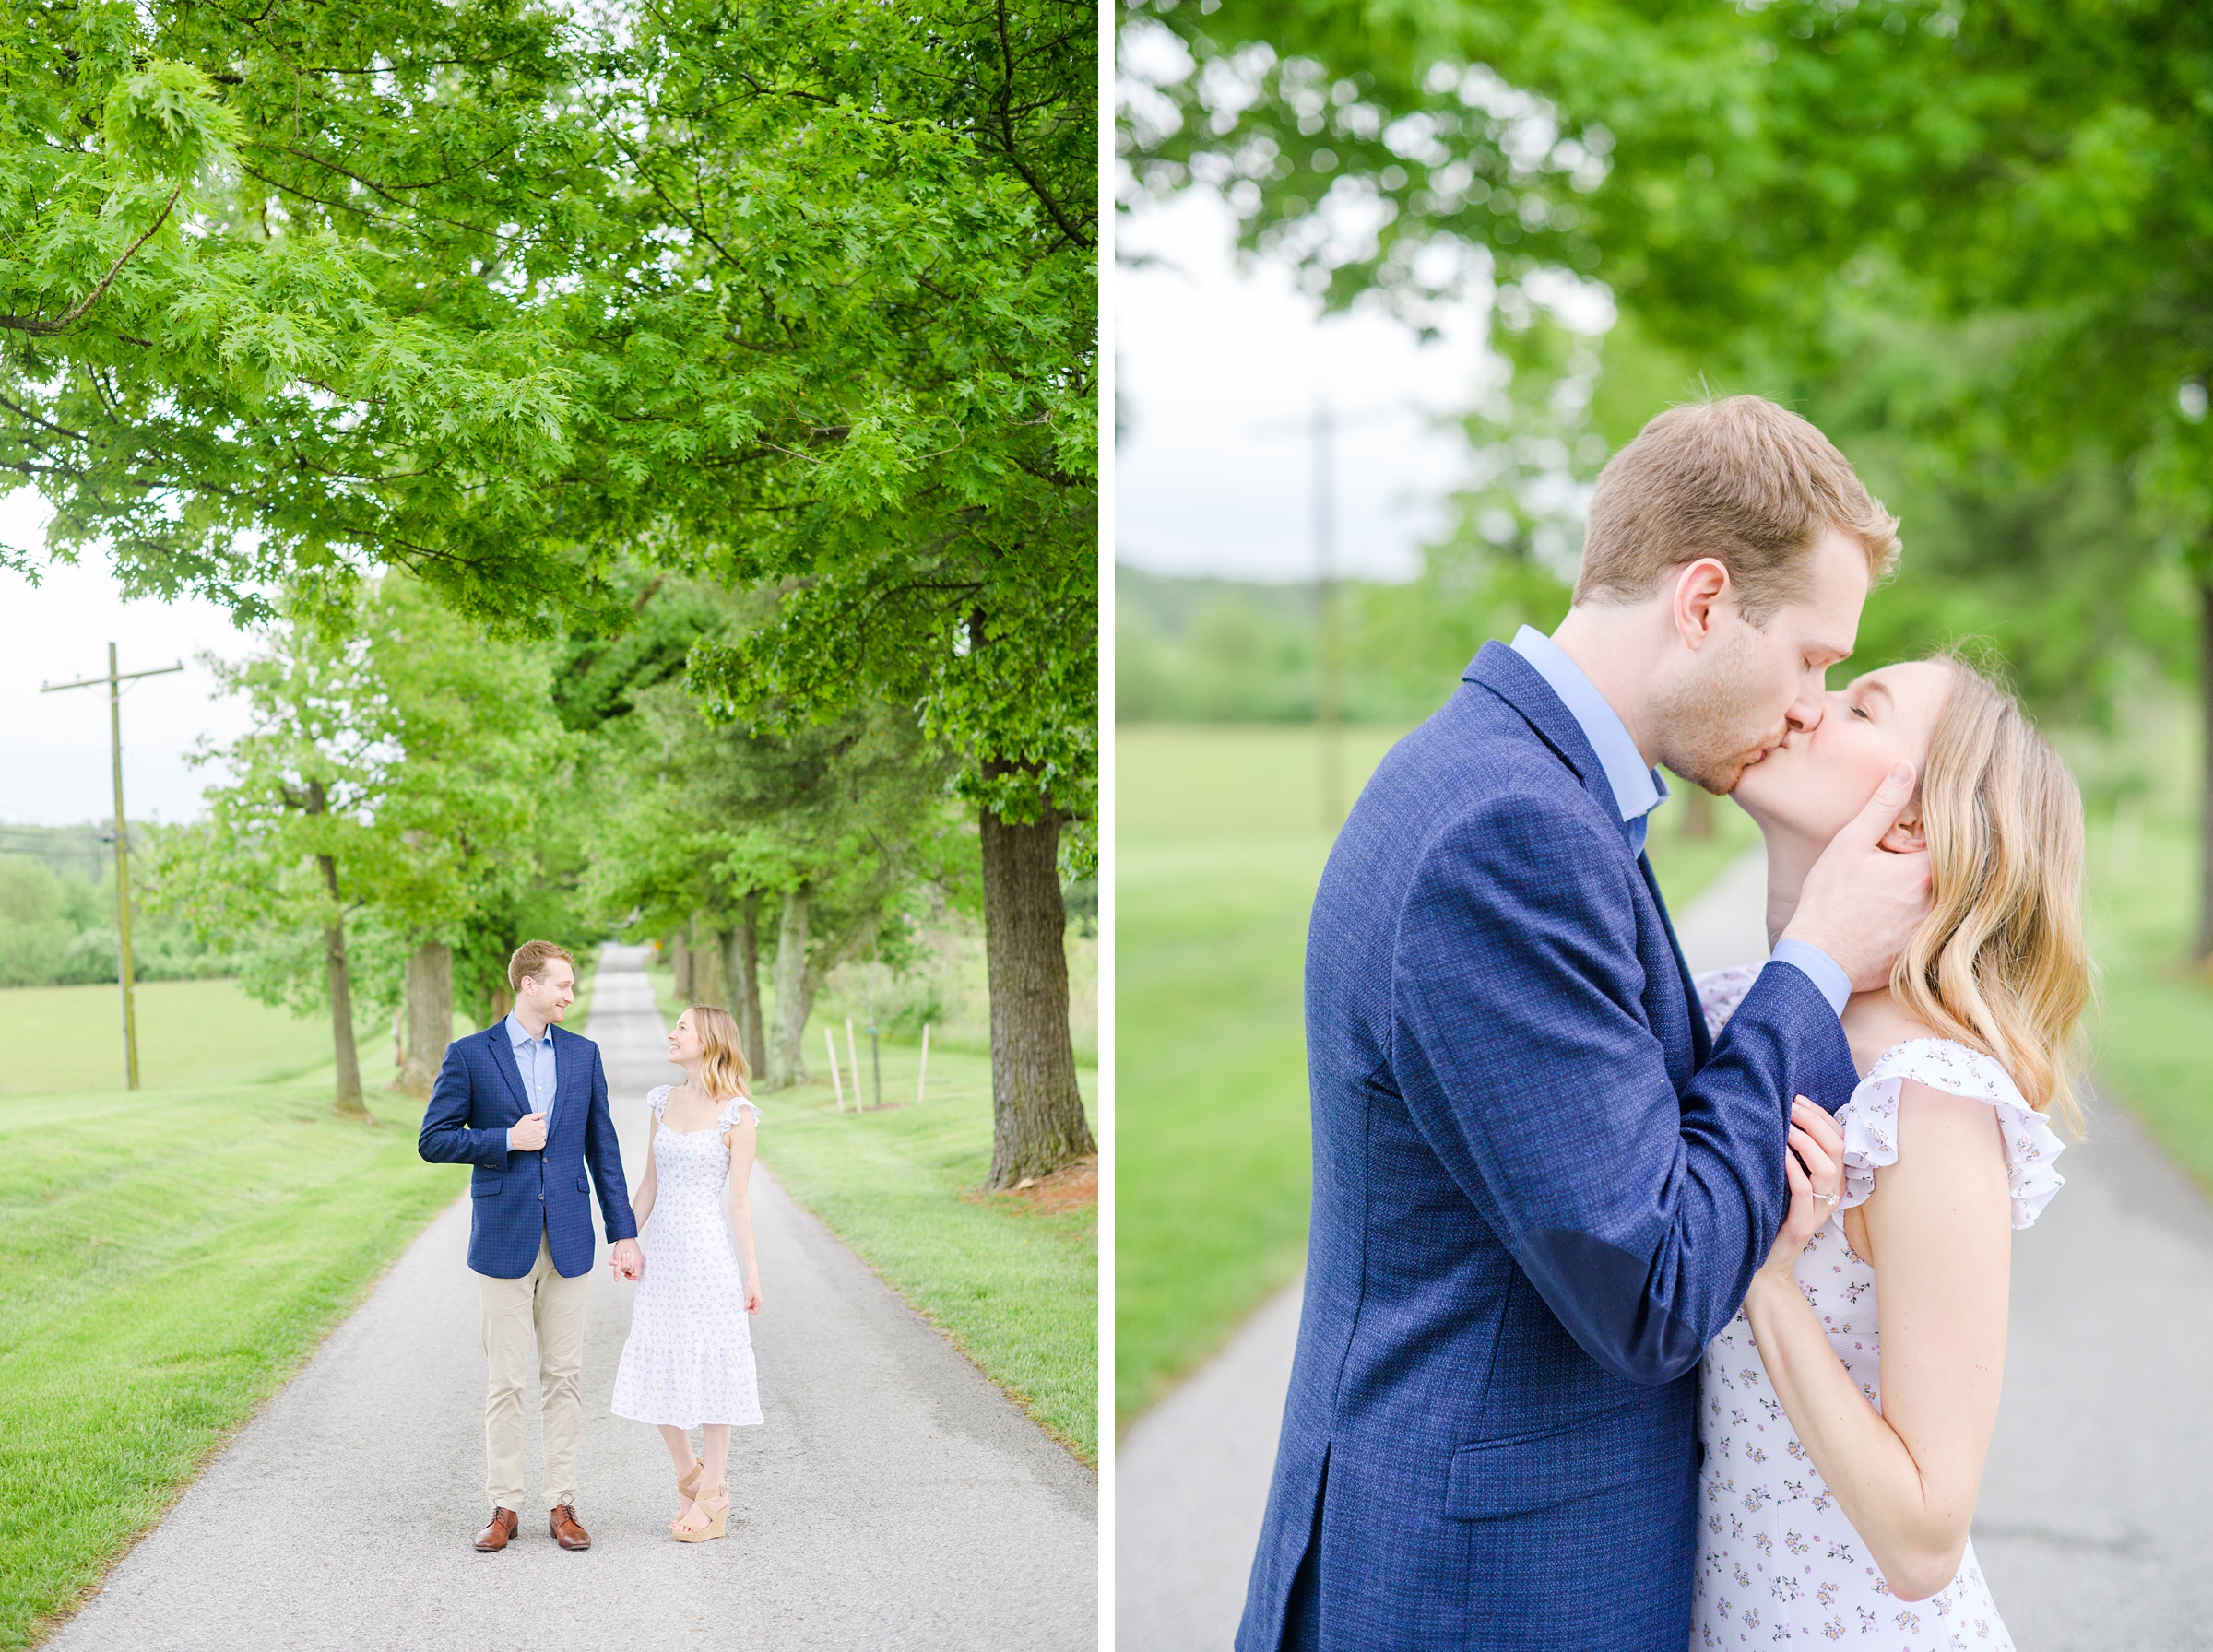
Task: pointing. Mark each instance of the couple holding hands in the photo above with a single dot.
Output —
(1645, 1312)
(524, 1103)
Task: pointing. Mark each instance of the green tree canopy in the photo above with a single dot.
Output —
(391, 773)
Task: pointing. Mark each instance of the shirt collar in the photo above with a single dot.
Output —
(1637, 789)
(519, 1035)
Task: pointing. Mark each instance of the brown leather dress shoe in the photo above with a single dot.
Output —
(566, 1532)
(495, 1535)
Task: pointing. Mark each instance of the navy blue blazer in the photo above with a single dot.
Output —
(518, 1197)
(1538, 1194)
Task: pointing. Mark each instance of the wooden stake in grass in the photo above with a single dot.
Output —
(830, 1043)
(853, 1063)
(922, 1078)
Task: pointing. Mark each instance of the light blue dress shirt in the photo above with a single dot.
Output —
(533, 1060)
(1637, 790)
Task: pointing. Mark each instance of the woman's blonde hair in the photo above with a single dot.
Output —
(723, 1067)
(2000, 963)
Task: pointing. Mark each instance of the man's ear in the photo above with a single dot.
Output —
(1906, 836)
(1702, 589)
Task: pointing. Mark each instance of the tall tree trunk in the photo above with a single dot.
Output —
(1037, 1122)
(503, 1000)
(745, 977)
(680, 961)
(428, 1016)
(707, 985)
(794, 993)
(2203, 948)
(341, 999)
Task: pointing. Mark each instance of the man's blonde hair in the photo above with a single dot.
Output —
(530, 958)
(1740, 480)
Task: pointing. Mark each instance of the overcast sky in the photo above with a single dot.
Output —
(1217, 365)
(54, 748)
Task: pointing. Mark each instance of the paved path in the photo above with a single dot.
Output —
(895, 1500)
(2096, 1520)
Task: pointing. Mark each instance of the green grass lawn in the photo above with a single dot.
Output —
(1219, 845)
(169, 1257)
(64, 1039)
(2153, 1021)
(1015, 1290)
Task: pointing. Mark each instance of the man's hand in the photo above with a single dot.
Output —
(527, 1134)
(626, 1259)
(1861, 902)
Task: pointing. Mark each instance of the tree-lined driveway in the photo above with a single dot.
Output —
(894, 1498)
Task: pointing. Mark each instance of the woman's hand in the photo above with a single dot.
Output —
(1814, 1165)
(752, 1296)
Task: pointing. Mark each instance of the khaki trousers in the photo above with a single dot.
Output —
(543, 1308)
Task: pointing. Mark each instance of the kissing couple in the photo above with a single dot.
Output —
(524, 1103)
(1645, 1312)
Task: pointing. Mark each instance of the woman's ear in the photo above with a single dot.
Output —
(1906, 837)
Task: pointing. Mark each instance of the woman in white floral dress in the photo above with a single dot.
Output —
(688, 1361)
(1845, 1413)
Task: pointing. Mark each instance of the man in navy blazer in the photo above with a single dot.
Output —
(525, 1103)
(1539, 1188)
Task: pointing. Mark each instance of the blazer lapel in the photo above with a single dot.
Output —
(568, 1074)
(502, 1057)
(1516, 681)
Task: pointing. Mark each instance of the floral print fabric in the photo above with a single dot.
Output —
(689, 1358)
(1778, 1561)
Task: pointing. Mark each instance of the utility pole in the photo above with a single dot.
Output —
(115, 680)
(1329, 693)
(1328, 714)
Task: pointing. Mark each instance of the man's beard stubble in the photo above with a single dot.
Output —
(1706, 735)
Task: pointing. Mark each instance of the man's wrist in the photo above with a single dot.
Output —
(1827, 976)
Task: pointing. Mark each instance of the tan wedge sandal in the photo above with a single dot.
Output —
(687, 1487)
(716, 1517)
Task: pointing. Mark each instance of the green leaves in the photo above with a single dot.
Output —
(796, 294)
(1969, 241)
(393, 739)
(165, 122)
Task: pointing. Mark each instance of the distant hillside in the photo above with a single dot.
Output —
(85, 851)
(57, 914)
(1207, 650)
(1212, 650)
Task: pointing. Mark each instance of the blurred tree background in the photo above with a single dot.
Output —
(1973, 244)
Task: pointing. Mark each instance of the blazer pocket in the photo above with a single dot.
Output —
(583, 1186)
(484, 1189)
(1492, 1479)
